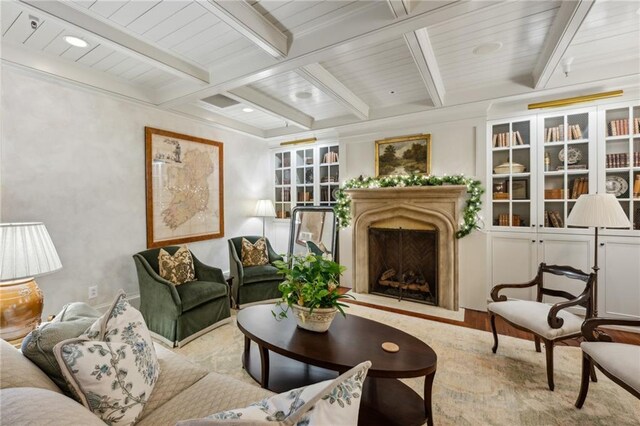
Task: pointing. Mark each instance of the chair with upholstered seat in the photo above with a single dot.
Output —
(177, 314)
(252, 284)
(618, 361)
(549, 323)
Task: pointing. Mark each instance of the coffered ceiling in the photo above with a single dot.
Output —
(285, 67)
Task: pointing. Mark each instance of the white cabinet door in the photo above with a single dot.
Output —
(619, 278)
(570, 250)
(513, 261)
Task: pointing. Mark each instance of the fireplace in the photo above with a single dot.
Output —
(432, 211)
(403, 263)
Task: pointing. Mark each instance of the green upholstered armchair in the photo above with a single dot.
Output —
(253, 283)
(178, 314)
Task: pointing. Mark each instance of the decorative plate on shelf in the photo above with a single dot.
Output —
(574, 155)
(616, 185)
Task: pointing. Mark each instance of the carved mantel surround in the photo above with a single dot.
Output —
(416, 207)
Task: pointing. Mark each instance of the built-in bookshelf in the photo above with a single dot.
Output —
(282, 184)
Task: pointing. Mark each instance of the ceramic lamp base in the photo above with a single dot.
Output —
(20, 308)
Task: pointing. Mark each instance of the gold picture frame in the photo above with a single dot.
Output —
(185, 188)
(414, 152)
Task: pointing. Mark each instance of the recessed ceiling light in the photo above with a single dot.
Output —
(247, 109)
(392, 92)
(75, 41)
(487, 48)
(303, 95)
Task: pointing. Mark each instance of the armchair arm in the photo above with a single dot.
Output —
(589, 327)
(273, 256)
(584, 298)
(503, 298)
(206, 272)
(235, 264)
(148, 279)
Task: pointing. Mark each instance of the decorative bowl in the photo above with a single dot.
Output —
(506, 168)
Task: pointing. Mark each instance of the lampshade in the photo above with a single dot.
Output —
(26, 250)
(265, 208)
(600, 210)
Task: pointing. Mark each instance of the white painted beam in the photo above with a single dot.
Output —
(201, 111)
(271, 106)
(119, 40)
(566, 24)
(425, 59)
(317, 75)
(399, 7)
(246, 20)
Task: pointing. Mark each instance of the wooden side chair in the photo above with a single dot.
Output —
(618, 361)
(549, 323)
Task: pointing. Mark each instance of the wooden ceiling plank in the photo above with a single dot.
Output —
(246, 20)
(120, 40)
(317, 75)
(425, 59)
(570, 17)
(271, 106)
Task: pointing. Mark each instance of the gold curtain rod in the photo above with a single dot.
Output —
(299, 141)
(575, 100)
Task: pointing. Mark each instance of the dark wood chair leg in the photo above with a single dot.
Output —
(428, 410)
(594, 378)
(495, 333)
(584, 384)
(536, 339)
(548, 346)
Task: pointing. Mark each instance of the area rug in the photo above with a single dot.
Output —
(472, 385)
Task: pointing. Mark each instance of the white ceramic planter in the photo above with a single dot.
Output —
(319, 320)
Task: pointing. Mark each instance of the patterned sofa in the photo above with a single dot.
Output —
(183, 391)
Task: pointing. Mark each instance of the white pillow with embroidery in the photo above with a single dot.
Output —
(113, 367)
(332, 402)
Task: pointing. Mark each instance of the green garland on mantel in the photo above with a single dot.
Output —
(342, 207)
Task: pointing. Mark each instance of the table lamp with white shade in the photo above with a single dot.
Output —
(265, 209)
(597, 210)
(26, 251)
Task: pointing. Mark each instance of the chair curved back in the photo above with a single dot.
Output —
(151, 256)
(569, 272)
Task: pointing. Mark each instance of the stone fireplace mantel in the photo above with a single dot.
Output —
(416, 207)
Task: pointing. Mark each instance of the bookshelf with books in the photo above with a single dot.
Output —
(282, 184)
(511, 160)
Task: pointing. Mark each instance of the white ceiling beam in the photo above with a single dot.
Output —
(201, 111)
(271, 106)
(399, 7)
(566, 24)
(425, 59)
(119, 40)
(317, 75)
(246, 20)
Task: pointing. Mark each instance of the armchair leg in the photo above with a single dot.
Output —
(495, 333)
(548, 346)
(536, 339)
(594, 378)
(587, 367)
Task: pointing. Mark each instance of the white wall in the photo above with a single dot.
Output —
(74, 159)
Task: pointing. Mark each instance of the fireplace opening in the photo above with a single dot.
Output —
(403, 263)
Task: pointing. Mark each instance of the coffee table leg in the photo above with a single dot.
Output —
(264, 366)
(428, 384)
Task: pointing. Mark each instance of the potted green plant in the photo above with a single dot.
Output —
(310, 289)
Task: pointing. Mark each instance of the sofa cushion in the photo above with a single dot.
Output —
(332, 402)
(619, 359)
(178, 373)
(72, 321)
(533, 316)
(255, 254)
(17, 371)
(33, 406)
(177, 268)
(113, 368)
(211, 394)
(196, 293)
(254, 274)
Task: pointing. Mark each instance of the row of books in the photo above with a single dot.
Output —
(286, 194)
(622, 160)
(507, 139)
(330, 157)
(579, 186)
(556, 134)
(552, 219)
(503, 220)
(621, 127)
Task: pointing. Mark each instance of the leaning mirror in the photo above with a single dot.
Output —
(313, 229)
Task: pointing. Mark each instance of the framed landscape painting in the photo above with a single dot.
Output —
(185, 189)
(403, 155)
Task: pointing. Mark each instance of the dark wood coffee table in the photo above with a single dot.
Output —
(280, 356)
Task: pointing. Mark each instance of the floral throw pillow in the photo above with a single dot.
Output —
(332, 402)
(178, 268)
(113, 367)
(254, 254)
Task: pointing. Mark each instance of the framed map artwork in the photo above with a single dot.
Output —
(185, 189)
